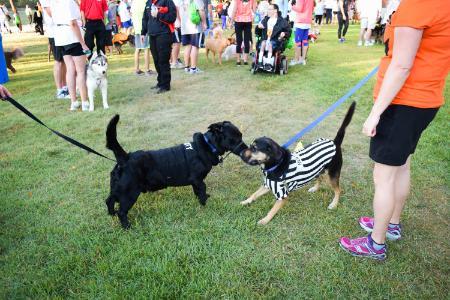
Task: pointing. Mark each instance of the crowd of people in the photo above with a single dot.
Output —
(408, 92)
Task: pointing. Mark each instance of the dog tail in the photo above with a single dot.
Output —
(341, 132)
(112, 143)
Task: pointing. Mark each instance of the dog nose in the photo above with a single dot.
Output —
(104, 72)
(245, 154)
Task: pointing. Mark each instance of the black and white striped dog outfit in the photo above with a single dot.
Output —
(304, 166)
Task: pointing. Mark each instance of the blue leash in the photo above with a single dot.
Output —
(330, 109)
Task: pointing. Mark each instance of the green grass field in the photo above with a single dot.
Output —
(57, 241)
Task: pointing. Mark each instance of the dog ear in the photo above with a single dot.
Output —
(216, 127)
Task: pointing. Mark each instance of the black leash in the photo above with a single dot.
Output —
(70, 140)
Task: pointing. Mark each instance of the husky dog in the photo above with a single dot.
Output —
(96, 78)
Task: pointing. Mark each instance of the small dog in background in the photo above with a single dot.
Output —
(13, 55)
(120, 39)
(217, 44)
(96, 78)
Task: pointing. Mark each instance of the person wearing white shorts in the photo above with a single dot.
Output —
(369, 11)
(137, 12)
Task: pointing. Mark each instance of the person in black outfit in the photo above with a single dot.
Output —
(38, 20)
(343, 20)
(158, 23)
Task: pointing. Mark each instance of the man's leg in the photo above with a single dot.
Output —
(187, 56)
(164, 47)
(147, 59)
(194, 57)
(89, 36)
(154, 50)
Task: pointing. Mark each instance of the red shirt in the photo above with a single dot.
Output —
(94, 9)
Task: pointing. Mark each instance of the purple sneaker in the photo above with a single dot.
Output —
(363, 247)
(393, 233)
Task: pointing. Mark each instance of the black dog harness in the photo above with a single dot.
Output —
(304, 166)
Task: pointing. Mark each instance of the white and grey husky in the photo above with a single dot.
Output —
(96, 78)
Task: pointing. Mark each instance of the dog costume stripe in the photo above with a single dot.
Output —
(304, 166)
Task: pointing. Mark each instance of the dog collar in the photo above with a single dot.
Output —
(213, 149)
(273, 168)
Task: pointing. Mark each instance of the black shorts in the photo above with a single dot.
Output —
(74, 49)
(108, 38)
(398, 133)
(57, 54)
(177, 36)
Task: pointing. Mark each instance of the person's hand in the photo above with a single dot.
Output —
(344, 17)
(282, 35)
(260, 25)
(370, 125)
(4, 92)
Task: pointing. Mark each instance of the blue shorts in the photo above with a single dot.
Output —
(191, 39)
(301, 37)
(127, 24)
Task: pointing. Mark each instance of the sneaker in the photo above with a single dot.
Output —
(302, 62)
(293, 63)
(368, 44)
(268, 67)
(187, 69)
(238, 64)
(161, 91)
(179, 65)
(150, 73)
(393, 233)
(245, 63)
(85, 105)
(360, 43)
(341, 40)
(363, 247)
(139, 72)
(74, 105)
(155, 87)
(195, 71)
(173, 66)
(61, 94)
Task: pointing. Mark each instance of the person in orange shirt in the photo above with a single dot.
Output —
(408, 94)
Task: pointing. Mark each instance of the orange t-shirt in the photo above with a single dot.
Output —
(425, 84)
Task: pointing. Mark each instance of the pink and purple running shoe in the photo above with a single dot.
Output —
(363, 247)
(393, 233)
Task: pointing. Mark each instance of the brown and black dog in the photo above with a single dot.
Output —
(13, 55)
(285, 171)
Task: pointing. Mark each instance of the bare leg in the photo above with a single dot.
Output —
(368, 35)
(361, 34)
(261, 191)
(194, 56)
(136, 59)
(187, 55)
(80, 65)
(276, 207)
(402, 188)
(71, 77)
(384, 177)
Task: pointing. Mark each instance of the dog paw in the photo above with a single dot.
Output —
(332, 205)
(313, 189)
(263, 221)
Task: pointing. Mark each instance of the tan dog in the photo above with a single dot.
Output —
(217, 45)
(13, 55)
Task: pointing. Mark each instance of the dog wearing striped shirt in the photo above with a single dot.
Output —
(286, 171)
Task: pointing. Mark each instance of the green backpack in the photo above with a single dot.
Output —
(194, 15)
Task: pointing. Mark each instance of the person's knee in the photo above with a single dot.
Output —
(384, 174)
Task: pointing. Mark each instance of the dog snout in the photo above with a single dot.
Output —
(246, 154)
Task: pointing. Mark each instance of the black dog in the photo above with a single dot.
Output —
(186, 164)
(285, 171)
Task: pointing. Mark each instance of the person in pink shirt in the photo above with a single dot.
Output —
(303, 16)
(242, 14)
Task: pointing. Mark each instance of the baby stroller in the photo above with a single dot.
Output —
(280, 61)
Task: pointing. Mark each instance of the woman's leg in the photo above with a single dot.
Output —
(402, 189)
(346, 23)
(261, 51)
(239, 33)
(71, 77)
(384, 177)
(147, 59)
(80, 66)
(341, 24)
(247, 38)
